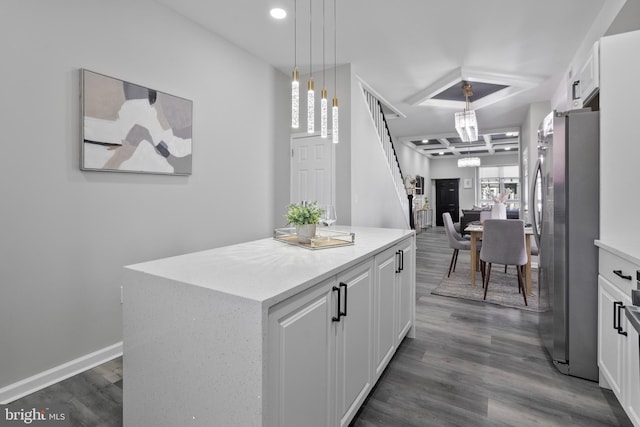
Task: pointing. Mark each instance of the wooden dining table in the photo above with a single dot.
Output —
(476, 230)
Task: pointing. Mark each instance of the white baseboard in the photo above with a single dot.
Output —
(54, 375)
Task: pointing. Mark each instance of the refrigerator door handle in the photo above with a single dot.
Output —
(532, 201)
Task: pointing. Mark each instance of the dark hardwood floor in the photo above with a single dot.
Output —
(471, 364)
(477, 364)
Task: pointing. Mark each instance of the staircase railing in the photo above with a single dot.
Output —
(384, 134)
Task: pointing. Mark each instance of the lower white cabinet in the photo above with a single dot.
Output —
(384, 341)
(611, 340)
(354, 341)
(329, 344)
(320, 352)
(302, 359)
(618, 352)
(405, 288)
(394, 301)
(632, 390)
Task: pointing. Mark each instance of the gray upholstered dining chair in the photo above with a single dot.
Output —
(534, 251)
(456, 242)
(503, 243)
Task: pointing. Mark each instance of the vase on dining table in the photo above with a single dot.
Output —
(499, 211)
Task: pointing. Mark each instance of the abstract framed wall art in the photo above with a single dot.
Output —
(131, 128)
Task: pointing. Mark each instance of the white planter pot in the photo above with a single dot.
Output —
(499, 211)
(305, 232)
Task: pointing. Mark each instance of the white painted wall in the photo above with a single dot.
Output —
(529, 140)
(412, 162)
(67, 233)
(374, 199)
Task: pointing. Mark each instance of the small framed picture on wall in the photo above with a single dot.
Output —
(466, 183)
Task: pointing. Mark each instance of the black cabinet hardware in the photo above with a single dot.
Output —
(344, 313)
(617, 307)
(337, 319)
(619, 274)
(400, 254)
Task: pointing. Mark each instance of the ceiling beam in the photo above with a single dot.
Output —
(447, 144)
(487, 143)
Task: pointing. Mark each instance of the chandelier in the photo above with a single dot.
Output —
(466, 123)
(469, 162)
(467, 127)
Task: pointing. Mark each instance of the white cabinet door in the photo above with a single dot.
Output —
(354, 344)
(610, 342)
(405, 288)
(619, 153)
(384, 310)
(301, 354)
(632, 374)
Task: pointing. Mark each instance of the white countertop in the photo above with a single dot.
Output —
(632, 259)
(267, 270)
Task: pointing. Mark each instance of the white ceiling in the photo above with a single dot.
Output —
(400, 48)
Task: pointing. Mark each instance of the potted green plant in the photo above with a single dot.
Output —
(305, 216)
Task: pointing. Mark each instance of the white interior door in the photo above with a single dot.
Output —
(312, 160)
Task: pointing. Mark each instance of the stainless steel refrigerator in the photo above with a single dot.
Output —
(564, 203)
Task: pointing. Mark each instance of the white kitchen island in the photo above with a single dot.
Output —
(264, 333)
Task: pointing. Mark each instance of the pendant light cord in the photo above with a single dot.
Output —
(323, 39)
(310, 39)
(295, 34)
(335, 50)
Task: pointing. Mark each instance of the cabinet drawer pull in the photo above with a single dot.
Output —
(619, 274)
(337, 319)
(344, 313)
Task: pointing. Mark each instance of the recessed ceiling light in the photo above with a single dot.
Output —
(278, 13)
(441, 153)
(507, 148)
(424, 141)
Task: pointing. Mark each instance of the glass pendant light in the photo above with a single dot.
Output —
(310, 91)
(323, 114)
(334, 109)
(295, 100)
(295, 84)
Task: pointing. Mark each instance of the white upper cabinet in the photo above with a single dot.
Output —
(619, 142)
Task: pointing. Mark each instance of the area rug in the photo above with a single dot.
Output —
(503, 288)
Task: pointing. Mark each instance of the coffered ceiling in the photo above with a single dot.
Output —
(415, 53)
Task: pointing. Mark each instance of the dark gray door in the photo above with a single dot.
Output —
(447, 199)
